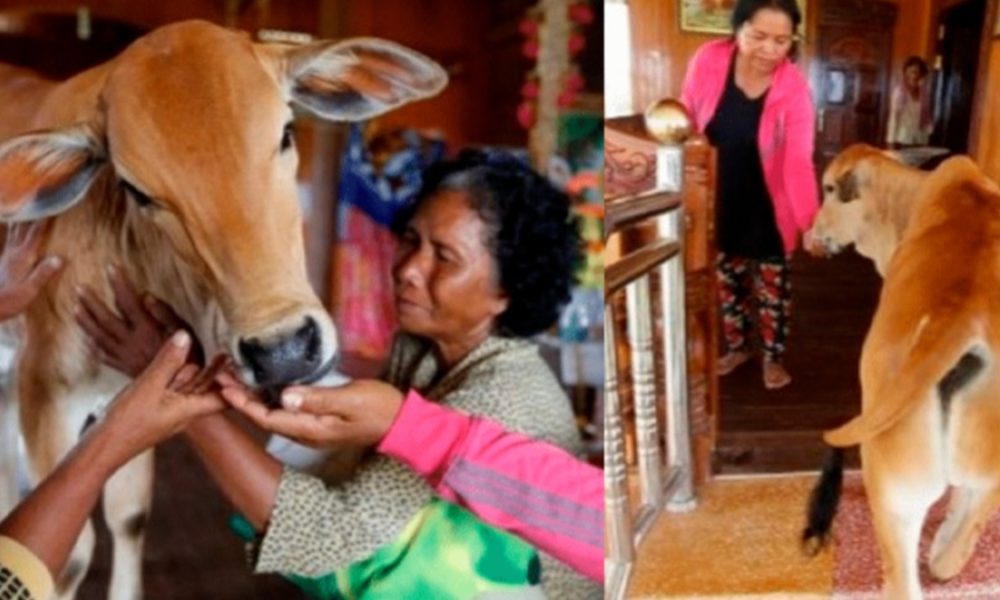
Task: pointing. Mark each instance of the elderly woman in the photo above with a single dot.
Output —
(485, 259)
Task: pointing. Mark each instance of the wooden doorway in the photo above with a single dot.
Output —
(959, 29)
(853, 74)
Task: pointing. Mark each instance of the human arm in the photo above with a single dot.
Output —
(532, 489)
(798, 168)
(258, 485)
(689, 87)
(22, 273)
(151, 409)
(243, 470)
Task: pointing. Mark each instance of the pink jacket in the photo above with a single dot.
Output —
(530, 488)
(787, 132)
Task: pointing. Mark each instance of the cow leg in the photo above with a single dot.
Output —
(76, 567)
(10, 433)
(953, 546)
(127, 498)
(898, 532)
(958, 510)
(50, 432)
(899, 507)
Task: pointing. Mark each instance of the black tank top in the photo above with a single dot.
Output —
(744, 212)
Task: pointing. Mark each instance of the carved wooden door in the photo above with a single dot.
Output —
(853, 74)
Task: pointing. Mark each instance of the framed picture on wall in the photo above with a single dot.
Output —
(715, 16)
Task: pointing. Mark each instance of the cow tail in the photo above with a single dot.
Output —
(823, 502)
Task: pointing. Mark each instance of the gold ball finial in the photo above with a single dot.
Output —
(668, 121)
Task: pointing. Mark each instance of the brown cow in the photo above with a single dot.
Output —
(930, 388)
(176, 159)
(868, 197)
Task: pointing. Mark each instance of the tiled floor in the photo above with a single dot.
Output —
(740, 542)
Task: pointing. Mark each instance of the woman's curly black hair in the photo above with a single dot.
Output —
(531, 232)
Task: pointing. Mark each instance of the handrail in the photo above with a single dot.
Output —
(622, 211)
(638, 263)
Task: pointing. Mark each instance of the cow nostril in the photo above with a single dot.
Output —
(254, 355)
(309, 334)
(286, 359)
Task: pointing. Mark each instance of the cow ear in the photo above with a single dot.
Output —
(359, 78)
(45, 173)
(847, 186)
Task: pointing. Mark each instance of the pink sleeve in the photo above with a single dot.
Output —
(689, 88)
(530, 488)
(798, 169)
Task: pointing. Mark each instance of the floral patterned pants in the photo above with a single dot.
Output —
(746, 284)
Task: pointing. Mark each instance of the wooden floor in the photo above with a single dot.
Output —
(833, 301)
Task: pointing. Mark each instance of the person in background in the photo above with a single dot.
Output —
(754, 105)
(910, 120)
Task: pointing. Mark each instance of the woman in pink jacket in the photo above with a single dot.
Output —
(754, 105)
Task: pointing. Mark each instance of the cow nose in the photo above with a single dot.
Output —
(286, 359)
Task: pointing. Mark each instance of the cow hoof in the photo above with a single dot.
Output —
(944, 568)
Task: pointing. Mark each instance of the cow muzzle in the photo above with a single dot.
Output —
(821, 245)
(298, 355)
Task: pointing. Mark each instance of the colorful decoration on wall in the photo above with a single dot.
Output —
(553, 37)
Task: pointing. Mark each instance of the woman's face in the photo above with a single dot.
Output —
(446, 282)
(912, 77)
(766, 38)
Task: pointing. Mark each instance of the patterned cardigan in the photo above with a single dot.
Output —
(317, 528)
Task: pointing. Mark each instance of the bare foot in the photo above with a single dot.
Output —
(728, 363)
(775, 375)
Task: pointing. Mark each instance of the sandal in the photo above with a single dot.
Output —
(775, 375)
(728, 363)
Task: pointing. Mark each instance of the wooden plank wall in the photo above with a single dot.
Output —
(661, 50)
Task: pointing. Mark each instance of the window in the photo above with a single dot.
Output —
(617, 59)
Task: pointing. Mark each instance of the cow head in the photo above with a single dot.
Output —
(847, 202)
(191, 135)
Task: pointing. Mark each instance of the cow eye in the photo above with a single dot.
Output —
(288, 136)
(140, 198)
(828, 189)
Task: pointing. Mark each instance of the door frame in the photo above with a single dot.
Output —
(982, 72)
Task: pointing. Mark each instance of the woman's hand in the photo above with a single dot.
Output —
(357, 414)
(128, 343)
(165, 397)
(22, 274)
(812, 245)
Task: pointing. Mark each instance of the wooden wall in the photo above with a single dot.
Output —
(477, 41)
(661, 50)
